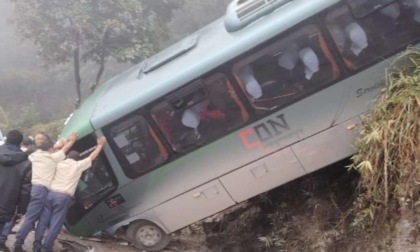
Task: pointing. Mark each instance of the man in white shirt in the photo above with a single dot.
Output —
(44, 163)
(60, 196)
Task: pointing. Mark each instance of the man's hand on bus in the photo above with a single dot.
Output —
(60, 144)
(70, 141)
(73, 137)
(101, 141)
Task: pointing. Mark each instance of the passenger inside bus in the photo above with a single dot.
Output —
(191, 118)
(290, 68)
(187, 126)
(392, 11)
(382, 32)
(357, 38)
(351, 40)
(199, 114)
(252, 86)
(310, 60)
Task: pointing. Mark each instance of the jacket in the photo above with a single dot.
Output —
(15, 181)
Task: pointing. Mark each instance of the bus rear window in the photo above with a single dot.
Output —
(202, 112)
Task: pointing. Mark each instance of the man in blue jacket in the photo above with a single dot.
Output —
(15, 180)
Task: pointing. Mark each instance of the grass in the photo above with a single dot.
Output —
(388, 148)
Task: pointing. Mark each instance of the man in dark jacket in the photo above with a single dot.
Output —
(15, 179)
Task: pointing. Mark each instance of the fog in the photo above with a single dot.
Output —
(32, 92)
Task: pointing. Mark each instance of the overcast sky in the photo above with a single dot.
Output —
(12, 52)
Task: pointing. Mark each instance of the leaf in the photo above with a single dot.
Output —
(365, 166)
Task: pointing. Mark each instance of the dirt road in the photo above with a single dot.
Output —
(98, 246)
(108, 245)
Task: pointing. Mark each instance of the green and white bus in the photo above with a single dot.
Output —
(270, 92)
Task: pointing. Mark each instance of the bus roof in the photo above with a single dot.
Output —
(132, 89)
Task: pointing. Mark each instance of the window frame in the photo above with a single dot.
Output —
(353, 11)
(131, 173)
(318, 23)
(231, 86)
(347, 70)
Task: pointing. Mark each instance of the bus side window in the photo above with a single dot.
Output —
(136, 145)
(292, 67)
(362, 41)
(200, 119)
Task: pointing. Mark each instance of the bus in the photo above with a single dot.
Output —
(272, 91)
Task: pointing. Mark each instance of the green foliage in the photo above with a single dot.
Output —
(112, 28)
(4, 120)
(193, 15)
(389, 147)
(162, 9)
(52, 129)
(27, 116)
(108, 32)
(83, 30)
(40, 90)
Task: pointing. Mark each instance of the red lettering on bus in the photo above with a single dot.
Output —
(250, 145)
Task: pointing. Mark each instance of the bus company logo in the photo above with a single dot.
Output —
(262, 134)
(362, 91)
(115, 201)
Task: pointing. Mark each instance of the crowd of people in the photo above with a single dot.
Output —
(38, 180)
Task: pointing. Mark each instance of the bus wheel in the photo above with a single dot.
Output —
(147, 236)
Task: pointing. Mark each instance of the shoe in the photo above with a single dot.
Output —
(3, 248)
(36, 246)
(18, 249)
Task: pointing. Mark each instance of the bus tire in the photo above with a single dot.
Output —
(147, 236)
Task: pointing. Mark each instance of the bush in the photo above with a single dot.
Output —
(52, 129)
(388, 148)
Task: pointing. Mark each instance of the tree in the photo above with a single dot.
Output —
(4, 120)
(79, 31)
(193, 15)
(160, 13)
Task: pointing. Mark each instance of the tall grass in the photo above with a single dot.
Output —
(388, 148)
